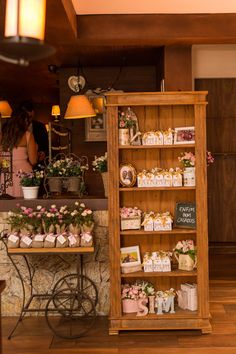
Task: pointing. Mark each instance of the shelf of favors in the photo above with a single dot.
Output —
(55, 250)
(152, 316)
(169, 232)
(141, 147)
(139, 189)
(173, 273)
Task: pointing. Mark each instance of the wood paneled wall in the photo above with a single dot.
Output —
(221, 130)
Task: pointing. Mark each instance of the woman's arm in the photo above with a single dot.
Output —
(32, 150)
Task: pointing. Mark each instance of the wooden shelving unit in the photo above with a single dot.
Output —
(158, 111)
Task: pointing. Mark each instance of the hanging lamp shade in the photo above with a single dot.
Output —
(5, 109)
(25, 30)
(79, 107)
(56, 110)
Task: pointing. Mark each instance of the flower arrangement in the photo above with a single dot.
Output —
(100, 163)
(188, 159)
(126, 213)
(30, 179)
(65, 167)
(125, 119)
(186, 247)
(24, 218)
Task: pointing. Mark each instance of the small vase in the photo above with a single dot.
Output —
(124, 136)
(30, 192)
(189, 177)
(73, 184)
(105, 182)
(129, 306)
(185, 262)
(55, 184)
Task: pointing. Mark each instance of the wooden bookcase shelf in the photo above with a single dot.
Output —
(156, 111)
(173, 273)
(140, 189)
(142, 147)
(171, 232)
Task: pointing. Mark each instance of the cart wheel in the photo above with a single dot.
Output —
(70, 314)
(78, 282)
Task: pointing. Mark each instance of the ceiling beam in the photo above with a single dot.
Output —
(156, 30)
(71, 15)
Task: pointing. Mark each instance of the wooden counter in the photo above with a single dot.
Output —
(93, 203)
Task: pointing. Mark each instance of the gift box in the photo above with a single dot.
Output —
(133, 223)
(156, 262)
(177, 179)
(191, 298)
(148, 222)
(159, 138)
(149, 138)
(147, 263)
(168, 179)
(168, 137)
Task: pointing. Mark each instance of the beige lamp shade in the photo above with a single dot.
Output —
(79, 107)
(5, 109)
(56, 110)
(25, 18)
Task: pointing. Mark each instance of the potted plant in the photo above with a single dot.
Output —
(187, 159)
(30, 182)
(186, 254)
(130, 295)
(125, 122)
(100, 165)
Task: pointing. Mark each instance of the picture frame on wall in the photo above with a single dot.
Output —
(184, 135)
(95, 127)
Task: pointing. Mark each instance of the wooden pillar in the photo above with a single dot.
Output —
(178, 68)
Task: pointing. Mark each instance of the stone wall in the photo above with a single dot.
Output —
(49, 268)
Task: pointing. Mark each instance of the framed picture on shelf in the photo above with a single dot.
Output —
(130, 256)
(184, 135)
(95, 127)
(128, 175)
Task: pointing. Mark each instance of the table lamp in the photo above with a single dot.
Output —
(56, 112)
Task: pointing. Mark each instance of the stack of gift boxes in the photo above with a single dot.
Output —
(158, 137)
(158, 177)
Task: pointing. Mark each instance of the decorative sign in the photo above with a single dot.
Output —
(185, 215)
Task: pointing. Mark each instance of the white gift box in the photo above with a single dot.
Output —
(160, 182)
(133, 223)
(191, 291)
(168, 137)
(148, 225)
(168, 179)
(147, 265)
(177, 180)
(166, 264)
(157, 264)
(159, 138)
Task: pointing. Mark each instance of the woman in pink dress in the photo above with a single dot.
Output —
(16, 137)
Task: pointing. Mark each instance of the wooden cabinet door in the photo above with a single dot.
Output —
(221, 141)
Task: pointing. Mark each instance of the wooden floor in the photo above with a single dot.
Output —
(34, 337)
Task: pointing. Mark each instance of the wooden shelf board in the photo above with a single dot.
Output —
(139, 189)
(179, 313)
(138, 147)
(173, 273)
(173, 232)
(55, 250)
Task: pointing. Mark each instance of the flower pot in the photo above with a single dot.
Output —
(55, 184)
(30, 192)
(189, 177)
(124, 136)
(105, 182)
(73, 184)
(129, 306)
(185, 262)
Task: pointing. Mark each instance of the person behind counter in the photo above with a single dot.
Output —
(17, 138)
(39, 131)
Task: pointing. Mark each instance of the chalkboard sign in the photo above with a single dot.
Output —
(185, 215)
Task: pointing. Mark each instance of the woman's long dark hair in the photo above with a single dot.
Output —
(14, 129)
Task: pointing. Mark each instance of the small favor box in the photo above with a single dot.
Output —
(159, 138)
(177, 179)
(187, 297)
(168, 137)
(147, 263)
(149, 138)
(133, 223)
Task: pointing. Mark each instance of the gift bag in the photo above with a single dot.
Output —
(50, 241)
(38, 241)
(13, 240)
(86, 239)
(74, 240)
(62, 240)
(25, 241)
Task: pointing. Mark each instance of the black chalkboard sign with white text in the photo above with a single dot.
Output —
(185, 215)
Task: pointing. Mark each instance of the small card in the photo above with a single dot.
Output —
(72, 239)
(61, 239)
(50, 238)
(13, 238)
(27, 240)
(39, 238)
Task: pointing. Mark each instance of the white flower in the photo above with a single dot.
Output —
(84, 213)
(76, 203)
(82, 205)
(39, 207)
(10, 213)
(53, 206)
(49, 215)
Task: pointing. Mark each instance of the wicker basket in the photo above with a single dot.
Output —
(131, 223)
